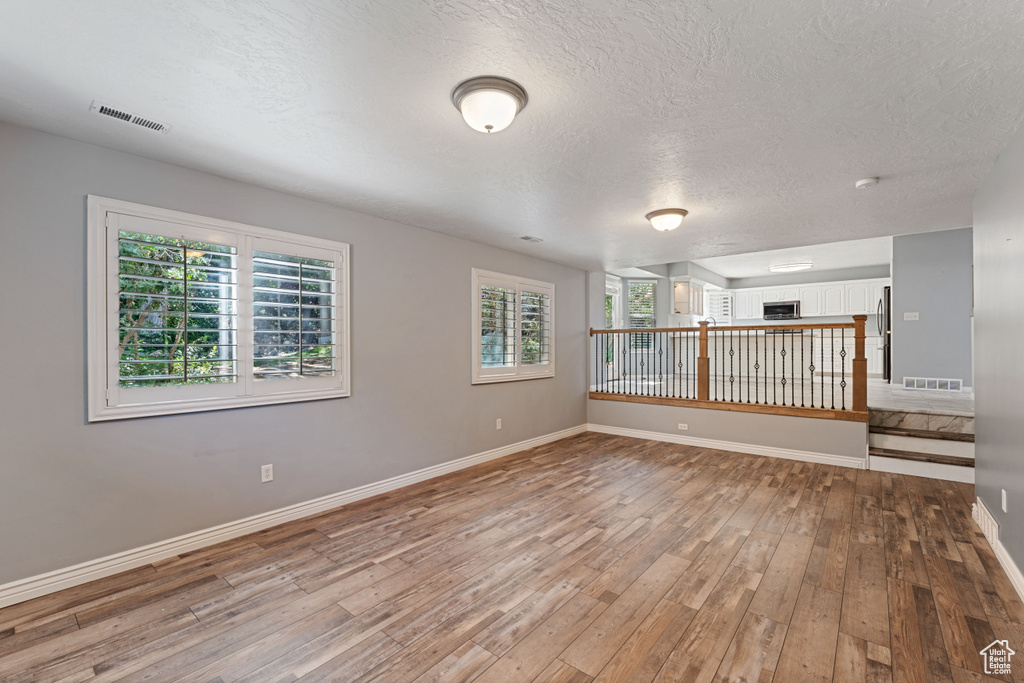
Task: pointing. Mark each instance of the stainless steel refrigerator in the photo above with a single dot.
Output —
(884, 316)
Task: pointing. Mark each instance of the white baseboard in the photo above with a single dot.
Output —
(753, 449)
(990, 527)
(932, 470)
(50, 582)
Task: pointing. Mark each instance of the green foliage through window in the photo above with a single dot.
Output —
(177, 314)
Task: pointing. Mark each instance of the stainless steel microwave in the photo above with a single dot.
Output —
(781, 310)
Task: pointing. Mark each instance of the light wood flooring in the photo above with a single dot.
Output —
(594, 558)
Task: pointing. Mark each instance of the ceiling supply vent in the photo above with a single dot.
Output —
(128, 117)
(530, 238)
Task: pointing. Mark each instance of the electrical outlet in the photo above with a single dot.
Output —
(683, 427)
(1004, 500)
(499, 424)
(266, 474)
(912, 316)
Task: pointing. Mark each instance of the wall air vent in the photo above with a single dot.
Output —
(933, 384)
(530, 238)
(128, 117)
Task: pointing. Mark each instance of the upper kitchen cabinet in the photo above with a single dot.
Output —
(858, 299)
(773, 294)
(749, 304)
(833, 299)
(810, 301)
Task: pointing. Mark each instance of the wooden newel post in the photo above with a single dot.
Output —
(704, 364)
(860, 365)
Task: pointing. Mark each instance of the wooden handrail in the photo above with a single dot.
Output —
(736, 328)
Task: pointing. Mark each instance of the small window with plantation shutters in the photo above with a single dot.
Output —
(513, 330)
(188, 313)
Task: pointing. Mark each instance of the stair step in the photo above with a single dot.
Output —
(921, 457)
(922, 434)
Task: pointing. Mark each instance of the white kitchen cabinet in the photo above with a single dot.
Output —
(873, 352)
(819, 299)
(742, 302)
(810, 301)
(749, 304)
(688, 297)
(858, 299)
(833, 299)
(757, 304)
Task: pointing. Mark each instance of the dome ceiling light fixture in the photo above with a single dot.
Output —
(489, 103)
(790, 267)
(666, 219)
(864, 183)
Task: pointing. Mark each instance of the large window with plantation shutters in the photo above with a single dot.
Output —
(513, 328)
(188, 313)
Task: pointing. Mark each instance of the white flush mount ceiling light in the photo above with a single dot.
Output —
(865, 183)
(790, 267)
(666, 219)
(489, 103)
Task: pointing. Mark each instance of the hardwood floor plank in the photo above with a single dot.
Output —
(857, 663)
(809, 652)
(700, 650)
(778, 591)
(533, 654)
(596, 646)
(754, 651)
(865, 612)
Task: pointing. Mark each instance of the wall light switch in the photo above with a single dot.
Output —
(912, 316)
(1004, 500)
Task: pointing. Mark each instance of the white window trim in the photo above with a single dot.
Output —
(99, 277)
(518, 372)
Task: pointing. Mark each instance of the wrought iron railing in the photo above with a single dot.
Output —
(805, 366)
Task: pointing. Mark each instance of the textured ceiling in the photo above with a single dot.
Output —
(755, 116)
(874, 251)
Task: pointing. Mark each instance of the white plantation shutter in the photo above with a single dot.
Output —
(189, 313)
(497, 326)
(535, 317)
(513, 328)
(293, 316)
(641, 313)
(178, 311)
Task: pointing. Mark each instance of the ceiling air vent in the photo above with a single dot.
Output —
(122, 115)
(530, 238)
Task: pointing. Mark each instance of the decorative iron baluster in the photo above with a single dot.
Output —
(792, 369)
(842, 364)
(732, 378)
(823, 368)
(803, 383)
(783, 354)
(812, 368)
(661, 362)
(833, 383)
(757, 366)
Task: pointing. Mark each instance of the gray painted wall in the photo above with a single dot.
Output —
(998, 330)
(830, 437)
(73, 491)
(931, 275)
